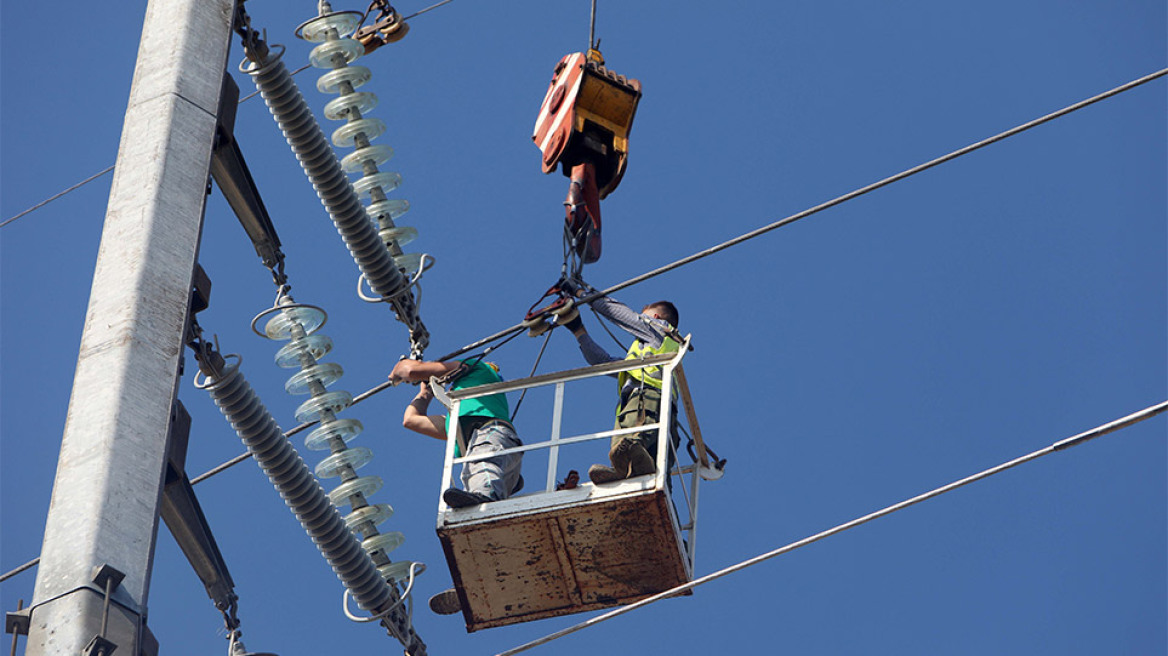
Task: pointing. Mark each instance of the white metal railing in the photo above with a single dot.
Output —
(672, 376)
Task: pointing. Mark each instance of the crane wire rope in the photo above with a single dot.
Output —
(241, 101)
(838, 200)
(1069, 442)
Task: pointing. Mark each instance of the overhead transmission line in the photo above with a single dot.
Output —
(110, 168)
(1069, 442)
(510, 332)
(58, 195)
(836, 201)
(514, 330)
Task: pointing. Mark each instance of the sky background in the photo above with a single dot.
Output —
(927, 331)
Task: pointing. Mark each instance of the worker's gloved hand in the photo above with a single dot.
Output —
(575, 288)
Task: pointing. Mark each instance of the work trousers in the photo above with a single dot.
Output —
(639, 406)
(495, 477)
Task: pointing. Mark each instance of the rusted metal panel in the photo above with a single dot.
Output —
(563, 560)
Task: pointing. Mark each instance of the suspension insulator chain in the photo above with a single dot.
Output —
(280, 461)
(386, 277)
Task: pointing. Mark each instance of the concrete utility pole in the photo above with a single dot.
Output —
(103, 519)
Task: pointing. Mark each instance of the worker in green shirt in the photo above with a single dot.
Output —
(484, 426)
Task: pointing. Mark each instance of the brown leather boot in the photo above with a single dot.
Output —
(619, 457)
(600, 474)
(640, 462)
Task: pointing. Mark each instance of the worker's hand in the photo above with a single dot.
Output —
(401, 372)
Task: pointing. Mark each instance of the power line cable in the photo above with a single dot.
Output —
(512, 332)
(56, 196)
(1076, 440)
(1136, 417)
(110, 168)
(838, 200)
(431, 7)
(14, 572)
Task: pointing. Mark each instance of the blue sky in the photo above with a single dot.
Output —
(924, 332)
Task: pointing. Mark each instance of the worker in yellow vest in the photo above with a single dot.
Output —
(655, 330)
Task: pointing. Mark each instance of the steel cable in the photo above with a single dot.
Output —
(513, 331)
(836, 201)
(241, 100)
(1133, 418)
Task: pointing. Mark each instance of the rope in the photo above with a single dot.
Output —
(533, 368)
(844, 198)
(604, 324)
(1146, 413)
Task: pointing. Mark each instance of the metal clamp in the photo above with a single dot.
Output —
(107, 578)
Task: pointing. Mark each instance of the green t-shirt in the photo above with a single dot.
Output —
(474, 412)
(493, 406)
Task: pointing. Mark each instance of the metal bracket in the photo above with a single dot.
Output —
(104, 573)
(99, 646)
(230, 172)
(17, 622)
(200, 290)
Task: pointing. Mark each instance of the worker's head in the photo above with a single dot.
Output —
(661, 310)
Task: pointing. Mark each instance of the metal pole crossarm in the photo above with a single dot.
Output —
(184, 517)
(106, 494)
(231, 174)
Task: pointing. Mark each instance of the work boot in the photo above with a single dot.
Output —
(446, 602)
(618, 455)
(456, 498)
(640, 462)
(600, 474)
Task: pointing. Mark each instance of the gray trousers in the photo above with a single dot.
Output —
(495, 477)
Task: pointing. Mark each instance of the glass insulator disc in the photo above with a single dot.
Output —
(333, 402)
(401, 234)
(392, 208)
(322, 55)
(409, 263)
(307, 317)
(355, 161)
(342, 429)
(387, 180)
(344, 23)
(331, 82)
(338, 108)
(347, 133)
(364, 485)
(400, 571)
(385, 542)
(325, 373)
(374, 514)
(314, 346)
(356, 458)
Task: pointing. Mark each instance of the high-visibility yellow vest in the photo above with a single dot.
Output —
(650, 375)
